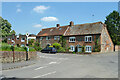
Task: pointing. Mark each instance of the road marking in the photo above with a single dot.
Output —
(52, 62)
(40, 68)
(53, 58)
(45, 74)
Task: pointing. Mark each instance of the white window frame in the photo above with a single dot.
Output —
(22, 39)
(87, 38)
(72, 48)
(70, 39)
(47, 37)
(17, 37)
(88, 49)
(13, 41)
(56, 37)
(41, 38)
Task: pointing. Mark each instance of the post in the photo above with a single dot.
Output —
(27, 52)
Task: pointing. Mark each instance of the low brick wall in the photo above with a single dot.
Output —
(117, 47)
(7, 56)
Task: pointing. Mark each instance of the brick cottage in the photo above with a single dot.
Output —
(77, 36)
(19, 40)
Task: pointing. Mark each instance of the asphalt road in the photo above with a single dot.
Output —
(69, 66)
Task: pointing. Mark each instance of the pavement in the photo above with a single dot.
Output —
(63, 65)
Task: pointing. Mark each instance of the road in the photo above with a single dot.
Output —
(61, 65)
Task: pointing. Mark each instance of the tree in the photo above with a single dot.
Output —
(113, 26)
(5, 27)
(12, 32)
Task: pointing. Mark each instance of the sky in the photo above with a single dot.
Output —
(33, 16)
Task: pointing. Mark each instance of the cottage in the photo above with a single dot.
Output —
(19, 40)
(90, 37)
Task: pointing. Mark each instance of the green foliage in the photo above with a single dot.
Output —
(37, 46)
(113, 25)
(96, 46)
(31, 41)
(61, 49)
(83, 48)
(12, 32)
(62, 41)
(73, 52)
(7, 47)
(57, 45)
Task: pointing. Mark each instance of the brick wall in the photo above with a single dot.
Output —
(7, 56)
(106, 42)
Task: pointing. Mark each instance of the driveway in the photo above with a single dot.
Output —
(63, 65)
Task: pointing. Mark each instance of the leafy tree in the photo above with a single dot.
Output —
(37, 46)
(113, 25)
(12, 32)
(5, 27)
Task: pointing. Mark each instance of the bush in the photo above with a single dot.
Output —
(61, 49)
(37, 46)
(57, 45)
(5, 47)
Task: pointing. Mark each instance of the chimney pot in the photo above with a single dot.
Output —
(57, 25)
(71, 23)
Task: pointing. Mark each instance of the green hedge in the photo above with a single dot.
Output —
(7, 47)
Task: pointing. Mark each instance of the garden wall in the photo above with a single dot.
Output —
(7, 56)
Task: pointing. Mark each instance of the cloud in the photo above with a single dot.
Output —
(49, 19)
(40, 9)
(18, 10)
(37, 25)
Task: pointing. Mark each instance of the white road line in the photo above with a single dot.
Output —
(45, 74)
(40, 68)
(52, 62)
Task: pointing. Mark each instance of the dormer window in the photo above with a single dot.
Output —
(17, 37)
(71, 39)
(88, 38)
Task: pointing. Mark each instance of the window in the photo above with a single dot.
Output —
(22, 45)
(9, 38)
(47, 37)
(17, 37)
(72, 48)
(71, 39)
(56, 37)
(88, 49)
(12, 40)
(88, 38)
(41, 38)
(22, 39)
(60, 28)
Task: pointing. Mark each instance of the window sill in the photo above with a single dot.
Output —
(72, 42)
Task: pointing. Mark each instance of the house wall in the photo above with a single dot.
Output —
(82, 43)
(16, 41)
(106, 42)
(44, 42)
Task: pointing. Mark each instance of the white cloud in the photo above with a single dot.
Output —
(37, 25)
(18, 10)
(48, 19)
(40, 9)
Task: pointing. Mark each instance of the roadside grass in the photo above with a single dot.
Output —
(7, 47)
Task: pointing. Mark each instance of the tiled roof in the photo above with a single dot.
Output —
(80, 29)
(53, 31)
(83, 29)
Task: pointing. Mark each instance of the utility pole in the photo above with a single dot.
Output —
(27, 52)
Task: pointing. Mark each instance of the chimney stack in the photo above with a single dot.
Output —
(57, 25)
(71, 23)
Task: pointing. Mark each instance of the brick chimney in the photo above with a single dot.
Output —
(57, 25)
(71, 23)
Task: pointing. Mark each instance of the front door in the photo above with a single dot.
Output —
(79, 49)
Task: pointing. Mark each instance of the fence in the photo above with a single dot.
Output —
(7, 56)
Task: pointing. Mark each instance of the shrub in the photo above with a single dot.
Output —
(61, 49)
(57, 45)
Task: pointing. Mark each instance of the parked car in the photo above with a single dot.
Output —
(49, 50)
